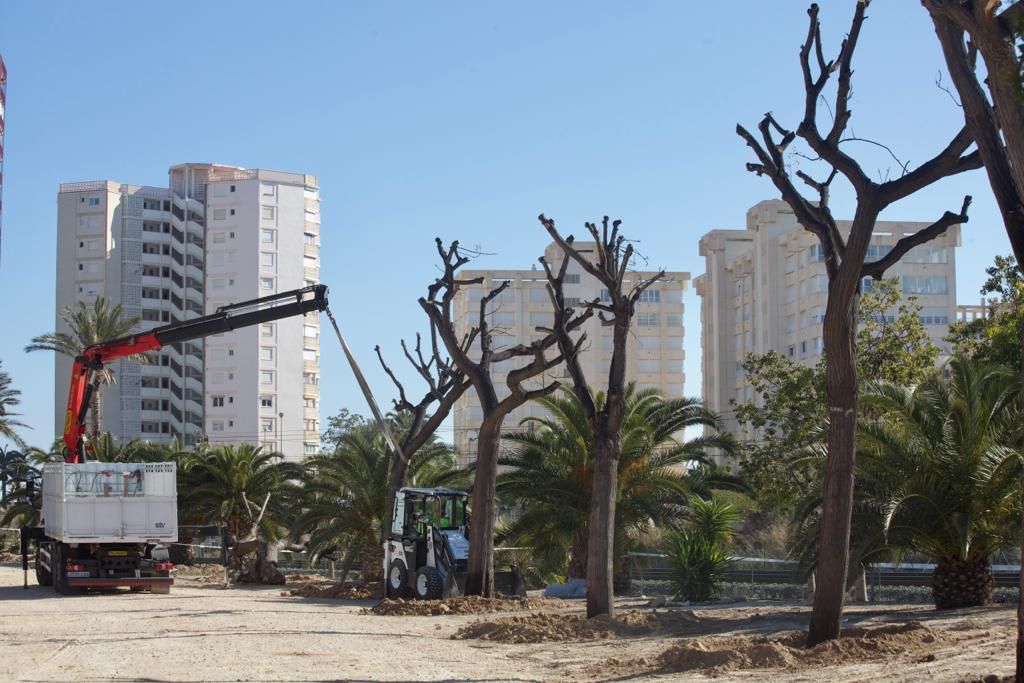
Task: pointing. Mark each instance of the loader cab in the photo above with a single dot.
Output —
(417, 509)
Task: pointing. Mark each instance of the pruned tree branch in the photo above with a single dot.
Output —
(876, 269)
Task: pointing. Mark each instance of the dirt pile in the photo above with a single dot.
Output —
(201, 573)
(315, 586)
(547, 627)
(785, 650)
(469, 604)
(11, 557)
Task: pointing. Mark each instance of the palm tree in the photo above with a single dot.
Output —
(89, 325)
(938, 473)
(344, 494)
(12, 465)
(229, 485)
(549, 471)
(9, 400)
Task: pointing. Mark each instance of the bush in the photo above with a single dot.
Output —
(698, 565)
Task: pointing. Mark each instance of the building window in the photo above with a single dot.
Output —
(816, 254)
(267, 330)
(309, 239)
(267, 236)
(266, 401)
(649, 366)
(267, 213)
(218, 425)
(924, 284)
(309, 355)
(674, 320)
(267, 282)
(217, 378)
(650, 296)
(232, 188)
(217, 401)
(266, 353)
(572, 278)
(647, 319)
(267, 424)
(219, 237)
(310, 378)
(309, 402)
(219, 214)
(309, 448)
(266, 377)
(266, 259)
(94, 201)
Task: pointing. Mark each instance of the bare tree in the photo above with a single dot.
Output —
(438, 305)
(966, 28)
(845, 265)
(611, 269)
(445, 385)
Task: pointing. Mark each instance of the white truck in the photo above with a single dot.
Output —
(107, 524)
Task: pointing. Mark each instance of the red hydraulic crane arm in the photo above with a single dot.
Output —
(225, 319)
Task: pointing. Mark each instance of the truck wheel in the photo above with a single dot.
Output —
(43, 575)
(398, 580)
(429, 584)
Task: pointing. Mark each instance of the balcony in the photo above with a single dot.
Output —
(312, 250)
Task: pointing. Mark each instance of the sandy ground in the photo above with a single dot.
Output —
(201, 632)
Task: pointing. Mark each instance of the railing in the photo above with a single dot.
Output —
(86, 186)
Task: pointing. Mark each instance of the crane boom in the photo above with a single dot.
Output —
(225, 319)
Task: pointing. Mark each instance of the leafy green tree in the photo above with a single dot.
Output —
(89, 324)
(997, 337)
(8, 402)
(790, 407)
(343, 498)
(938, 473)
(338, 428)
(549, 472)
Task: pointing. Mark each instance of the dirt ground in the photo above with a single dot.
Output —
(201, 632)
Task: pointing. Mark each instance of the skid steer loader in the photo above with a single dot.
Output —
(426, 552)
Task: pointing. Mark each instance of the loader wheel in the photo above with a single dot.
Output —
(43, 575)
(429, 584)
(398, 580)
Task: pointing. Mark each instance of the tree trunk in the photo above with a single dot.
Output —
(94, 408)
(602, 524)
(480, 567)
(578, 555)
(837, 503)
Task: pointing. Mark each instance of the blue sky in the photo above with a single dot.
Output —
(461, 120)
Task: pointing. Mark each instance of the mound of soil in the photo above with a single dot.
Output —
(318, 587)
(201, 573)
(11, 557)
(547, 627)
(469, 604)
(720, 655)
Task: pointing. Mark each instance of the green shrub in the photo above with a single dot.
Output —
(698, 565)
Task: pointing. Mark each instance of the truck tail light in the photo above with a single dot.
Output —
(164, 566)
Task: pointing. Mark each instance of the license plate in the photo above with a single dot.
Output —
(78, 575)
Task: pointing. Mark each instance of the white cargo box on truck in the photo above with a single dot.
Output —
(104, 502)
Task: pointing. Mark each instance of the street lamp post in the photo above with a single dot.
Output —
(280, 433)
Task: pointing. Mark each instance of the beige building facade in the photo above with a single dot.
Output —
(765, 289)
(654, 357)
(216, 235)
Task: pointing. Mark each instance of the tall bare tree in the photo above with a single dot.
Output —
(477, 368)
(445, 385)
(967, 28)
(845, 265)
(624, 288)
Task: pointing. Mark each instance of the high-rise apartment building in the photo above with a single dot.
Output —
(3, 109)
(654, 357)
(765, 288)
(216, 235)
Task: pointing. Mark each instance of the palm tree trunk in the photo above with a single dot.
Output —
(602, 524)
(94, 408)
(578, 555)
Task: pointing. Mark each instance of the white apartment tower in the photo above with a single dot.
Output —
(654, 357)
(765, 288)
(216, 235)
